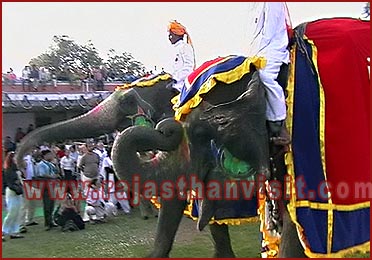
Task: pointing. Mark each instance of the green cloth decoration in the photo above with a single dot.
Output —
(233, 166)
(143, 121)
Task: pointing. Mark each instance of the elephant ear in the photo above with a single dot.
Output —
(133, 99)
(240, 124)
(231, 116)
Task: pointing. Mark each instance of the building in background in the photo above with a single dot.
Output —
(22, 107)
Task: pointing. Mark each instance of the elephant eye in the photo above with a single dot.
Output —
(166, 132)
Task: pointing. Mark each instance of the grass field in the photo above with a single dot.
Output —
(127, 236)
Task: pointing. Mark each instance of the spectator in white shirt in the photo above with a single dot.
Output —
(28, 212)
(68, 166)
(97, 209)
(101, 151)
(115, 195)
(73, 153)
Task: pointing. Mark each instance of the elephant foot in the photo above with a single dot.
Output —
(222, 242)
(224, 255)
(157, 255)
(290, 246)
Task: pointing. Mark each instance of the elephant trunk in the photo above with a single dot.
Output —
(104, 118)
(167, 137)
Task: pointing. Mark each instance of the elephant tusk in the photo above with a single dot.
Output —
(206, 211)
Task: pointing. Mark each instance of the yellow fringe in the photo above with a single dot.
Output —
(228, 221)
(363, 248)
(145, 83)
(271, 242)
(226, 77)
(327, 206)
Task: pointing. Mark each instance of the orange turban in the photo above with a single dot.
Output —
(178, 29)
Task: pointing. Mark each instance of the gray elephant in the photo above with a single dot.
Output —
(231, 119)
(231, 116)
(114, 113)
(215, 119)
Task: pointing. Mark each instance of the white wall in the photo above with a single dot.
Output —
(11, 121)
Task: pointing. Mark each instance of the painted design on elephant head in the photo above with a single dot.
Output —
(97, 109)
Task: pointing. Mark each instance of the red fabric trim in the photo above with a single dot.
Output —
(343, 47)
(199, 70)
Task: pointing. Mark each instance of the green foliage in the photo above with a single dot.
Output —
(69, 60)
(124, 64)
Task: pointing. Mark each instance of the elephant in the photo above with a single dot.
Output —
(114, 113)
(231, 118)
(188, 151)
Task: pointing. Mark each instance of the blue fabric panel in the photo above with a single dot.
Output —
(231, 209)
(305, 143)
(314, 223)
(346, 233)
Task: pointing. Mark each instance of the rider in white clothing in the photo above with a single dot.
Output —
(270, 40)
(184, 57)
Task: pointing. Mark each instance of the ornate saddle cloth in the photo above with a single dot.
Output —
(329, 117)
(224, 69)
(147, 81)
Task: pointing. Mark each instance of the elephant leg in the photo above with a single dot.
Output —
(290, 246)
(170, 215)
(222, 242)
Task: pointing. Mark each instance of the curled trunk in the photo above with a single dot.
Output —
(167, 137)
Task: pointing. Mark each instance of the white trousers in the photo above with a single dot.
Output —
(95, 213)
(275, 99)
(122, 198)
(29, 203)
(179, 85)
(14, 204)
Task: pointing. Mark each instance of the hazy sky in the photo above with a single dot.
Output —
(216, 29)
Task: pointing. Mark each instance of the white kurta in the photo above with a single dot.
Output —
(270, 40)
(29, 166)
(183, 63)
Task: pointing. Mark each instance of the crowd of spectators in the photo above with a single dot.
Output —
(88, 164)
(10, 145)
(34, 78)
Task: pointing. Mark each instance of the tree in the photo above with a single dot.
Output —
(67, 59)
(70, 61)
(122, 66)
